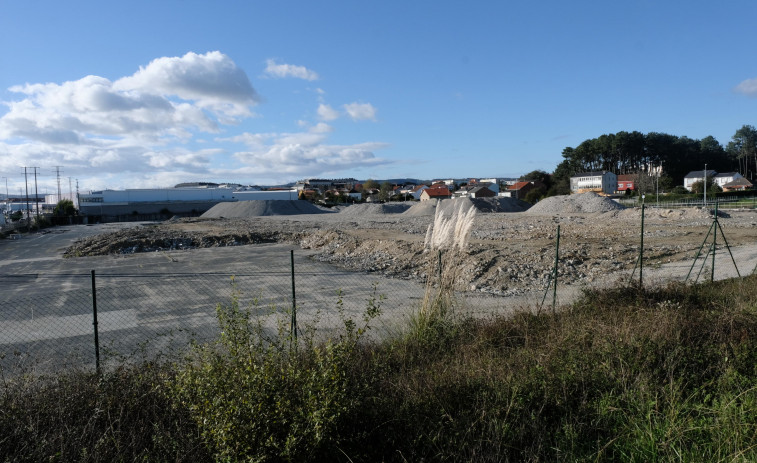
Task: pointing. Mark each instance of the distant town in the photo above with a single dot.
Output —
(193, 199)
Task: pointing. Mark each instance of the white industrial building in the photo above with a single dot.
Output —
(154, 203)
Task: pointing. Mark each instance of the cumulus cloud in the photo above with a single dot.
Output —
(211, 80)
(361, 111)
(747, 87)
(274, 69)
(307, 154)
(144, 129)
(327, 113)
(96, 123)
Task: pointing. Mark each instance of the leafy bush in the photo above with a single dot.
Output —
(262, 396)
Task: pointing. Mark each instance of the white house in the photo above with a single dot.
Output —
(697, 176)
(598, 182)
(726, 177)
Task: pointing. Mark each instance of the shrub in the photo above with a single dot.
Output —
(262, 396)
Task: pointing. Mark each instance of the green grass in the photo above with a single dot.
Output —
(621, 375)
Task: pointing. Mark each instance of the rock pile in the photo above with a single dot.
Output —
(259, 208)
(579, 203)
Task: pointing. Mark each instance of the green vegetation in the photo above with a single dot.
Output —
(621, 375)
(65, 207)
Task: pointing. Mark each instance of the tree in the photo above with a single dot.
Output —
(386, 191)
(534, 195)
(712, 187)
(743, 149)
(64, 207)
(370, 184)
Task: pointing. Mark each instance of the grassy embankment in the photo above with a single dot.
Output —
(620, 375)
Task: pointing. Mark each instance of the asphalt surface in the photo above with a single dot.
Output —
(155, 303)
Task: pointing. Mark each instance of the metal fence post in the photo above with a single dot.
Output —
(293, 327)
(714, 241)
(557, 261)
(641, 250)
(94, 322)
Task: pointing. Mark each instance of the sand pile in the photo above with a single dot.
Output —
(484, 205)
(260, 207)
(567, 204)
(358, 210)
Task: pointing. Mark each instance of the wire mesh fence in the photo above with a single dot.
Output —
(50, 321)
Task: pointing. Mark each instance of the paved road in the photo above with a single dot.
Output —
(152, 302)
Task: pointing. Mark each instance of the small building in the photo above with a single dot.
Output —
(435, 192)
(416, 192)
(481, 192)
(739, 184)
(726, 177)
(603, 182)
(519, 190)
(697, 176)
(626, 183)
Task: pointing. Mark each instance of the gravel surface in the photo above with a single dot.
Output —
(569, 204)
(509, 253)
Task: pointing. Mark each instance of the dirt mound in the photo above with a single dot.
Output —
(261, 207)
(357, 210)
(584, 203)
(425, 208)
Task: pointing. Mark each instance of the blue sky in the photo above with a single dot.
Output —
(149, 94)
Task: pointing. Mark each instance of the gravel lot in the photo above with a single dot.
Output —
(510, 253)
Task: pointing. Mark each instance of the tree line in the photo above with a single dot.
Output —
(673, 156)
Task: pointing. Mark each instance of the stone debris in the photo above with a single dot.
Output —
(509, 252)
(570, 204)
(261, 208)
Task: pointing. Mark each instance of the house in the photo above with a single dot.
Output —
(738, 184)
(435, 192)
(602, 182)
(726, 177)
(481, 192)
(697, 176)
(519, 190)
(626, 183)
(416, 192)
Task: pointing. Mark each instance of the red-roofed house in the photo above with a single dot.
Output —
(518, 190)
(435, 192)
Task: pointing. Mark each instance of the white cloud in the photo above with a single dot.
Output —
(148, 129)
(211, 80)
(93, 123)
(327, 113)
(321, 127)
(361, 111)
(289, 70)
(747, 87)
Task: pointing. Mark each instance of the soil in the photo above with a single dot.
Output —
(509, 252)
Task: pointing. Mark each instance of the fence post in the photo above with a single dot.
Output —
(293, 327)
(94, 322)
(557, 260)
(714, 242)
(641, 250)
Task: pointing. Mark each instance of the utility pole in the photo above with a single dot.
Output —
(26, 183)
(57, 174)
(36, 195)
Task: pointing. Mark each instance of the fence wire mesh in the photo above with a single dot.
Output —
(47, 319)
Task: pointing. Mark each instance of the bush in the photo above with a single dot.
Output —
(257, 396)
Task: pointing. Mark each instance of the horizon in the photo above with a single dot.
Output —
(150, 95)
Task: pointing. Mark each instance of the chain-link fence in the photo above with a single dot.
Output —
(50, 321)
